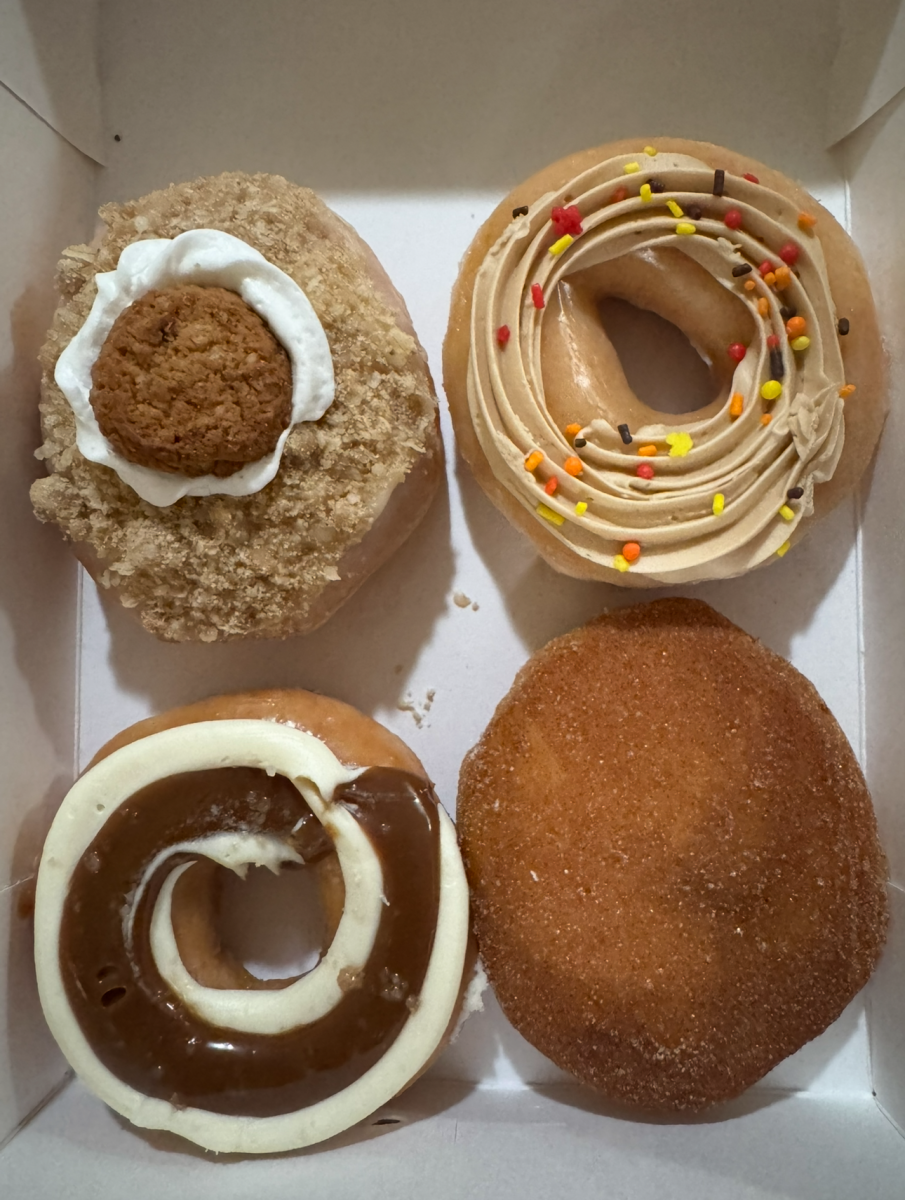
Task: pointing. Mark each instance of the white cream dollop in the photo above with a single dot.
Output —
(208, 258)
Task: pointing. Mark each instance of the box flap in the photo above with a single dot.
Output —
(869, 69)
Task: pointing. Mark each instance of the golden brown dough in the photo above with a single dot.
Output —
(676, 879)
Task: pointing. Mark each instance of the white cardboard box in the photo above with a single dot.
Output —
(412, 119)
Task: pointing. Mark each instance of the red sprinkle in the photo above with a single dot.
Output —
(766, 267)
(737, 351)
(733, 219)
(620, 194)
(789, 254)
(644, 471)
(503, 335)
(750, 178)
(537, 295)
(566, 220)
(772, 342)
(551, 485)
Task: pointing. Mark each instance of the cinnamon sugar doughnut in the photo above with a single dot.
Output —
(676, 879)
(283, 523)
(765, 285)
(170, 1030)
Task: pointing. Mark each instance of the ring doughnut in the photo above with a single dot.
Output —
(676, 878)
(765, 285)
(175, 1035)
(191, 487)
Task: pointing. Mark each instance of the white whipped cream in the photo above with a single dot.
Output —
(211, 259)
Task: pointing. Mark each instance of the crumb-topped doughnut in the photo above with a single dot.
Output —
(676, 879)
(168, 1028)
(765, 285)
(174, 466)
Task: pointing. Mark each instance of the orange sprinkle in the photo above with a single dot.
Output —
(551, 485)
(534, 460)
(573, 466)
(806, 221)
(736, 404)
(766, 419)
(750, 285)
(572, 430)
(763, 306)
(846, 391)
(783, 277)
(796, 326)
(647, 451)
(631, 551)
(770, 278)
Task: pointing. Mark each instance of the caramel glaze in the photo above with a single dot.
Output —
(144, 1033)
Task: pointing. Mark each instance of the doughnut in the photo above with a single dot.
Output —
(239, 422)
(766, 287)
(169, 1029)
(676, 879)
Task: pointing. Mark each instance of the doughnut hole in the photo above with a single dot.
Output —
(261, 932)
(641, 340)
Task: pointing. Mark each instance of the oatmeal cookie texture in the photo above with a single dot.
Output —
(270, 564)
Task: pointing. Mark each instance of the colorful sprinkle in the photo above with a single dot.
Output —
(581, 507)
(787, 514)
(567, 220)
(675, 209)
(644, 470)
(695, 212)
(783, 549)
(503, 334)
(521, 211)
(750, 285)
(769, 279)
(742, 269)
(579, 442)
(631, 552)
(534, 460)
(737, 351)
(647, 451)
(846, 391)
(537, 295)
(843, 326)
(649, 151)
(766, 419)
(620, 194)
(771, 390)
(719, 182)
(733, 219)
(719, 503)
(796, 326)
(751, 178)
(806, 221)
(772, 341)
(572, 430)
(646, 194)
(679, 444)
(630, 168)
(657, 186)
(573, 465)
(766, 267)
(789, 253)
(777, 366)
(795, 493)
(782, 277)
(548, 514)
(800, 343)
(787, 312)
(562, 244)
(736, 404)
(625, 434)
(685, 229)
(763, 306)
(621, 563)
(551, 485)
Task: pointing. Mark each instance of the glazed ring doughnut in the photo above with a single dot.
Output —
(193, 486)
(170, 1031)
(765, 285)
(673, 856)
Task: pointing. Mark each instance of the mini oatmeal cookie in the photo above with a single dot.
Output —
(273, 548)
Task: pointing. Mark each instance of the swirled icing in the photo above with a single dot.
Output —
(752, 465)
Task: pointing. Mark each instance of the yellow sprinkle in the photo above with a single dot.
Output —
(736, 404)
(563, 244)
(534, 460)
(621, 563)
(646, 194)
(787, 514)
(631, 168)
(771, 390)
(674, 209)
(679, 444)
(649, 151)
(685, 228)
(719, 503)
(548, 514)
(846, 391)
(800, 343)
(783, 549)
(581, 508)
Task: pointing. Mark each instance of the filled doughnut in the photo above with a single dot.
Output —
(765, 285)
(676, 879)
(239, 422)
(170, 1030)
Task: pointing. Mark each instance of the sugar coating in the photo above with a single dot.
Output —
(222, 567)
(673, 856)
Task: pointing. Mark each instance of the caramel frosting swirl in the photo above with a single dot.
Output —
(684, 531)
